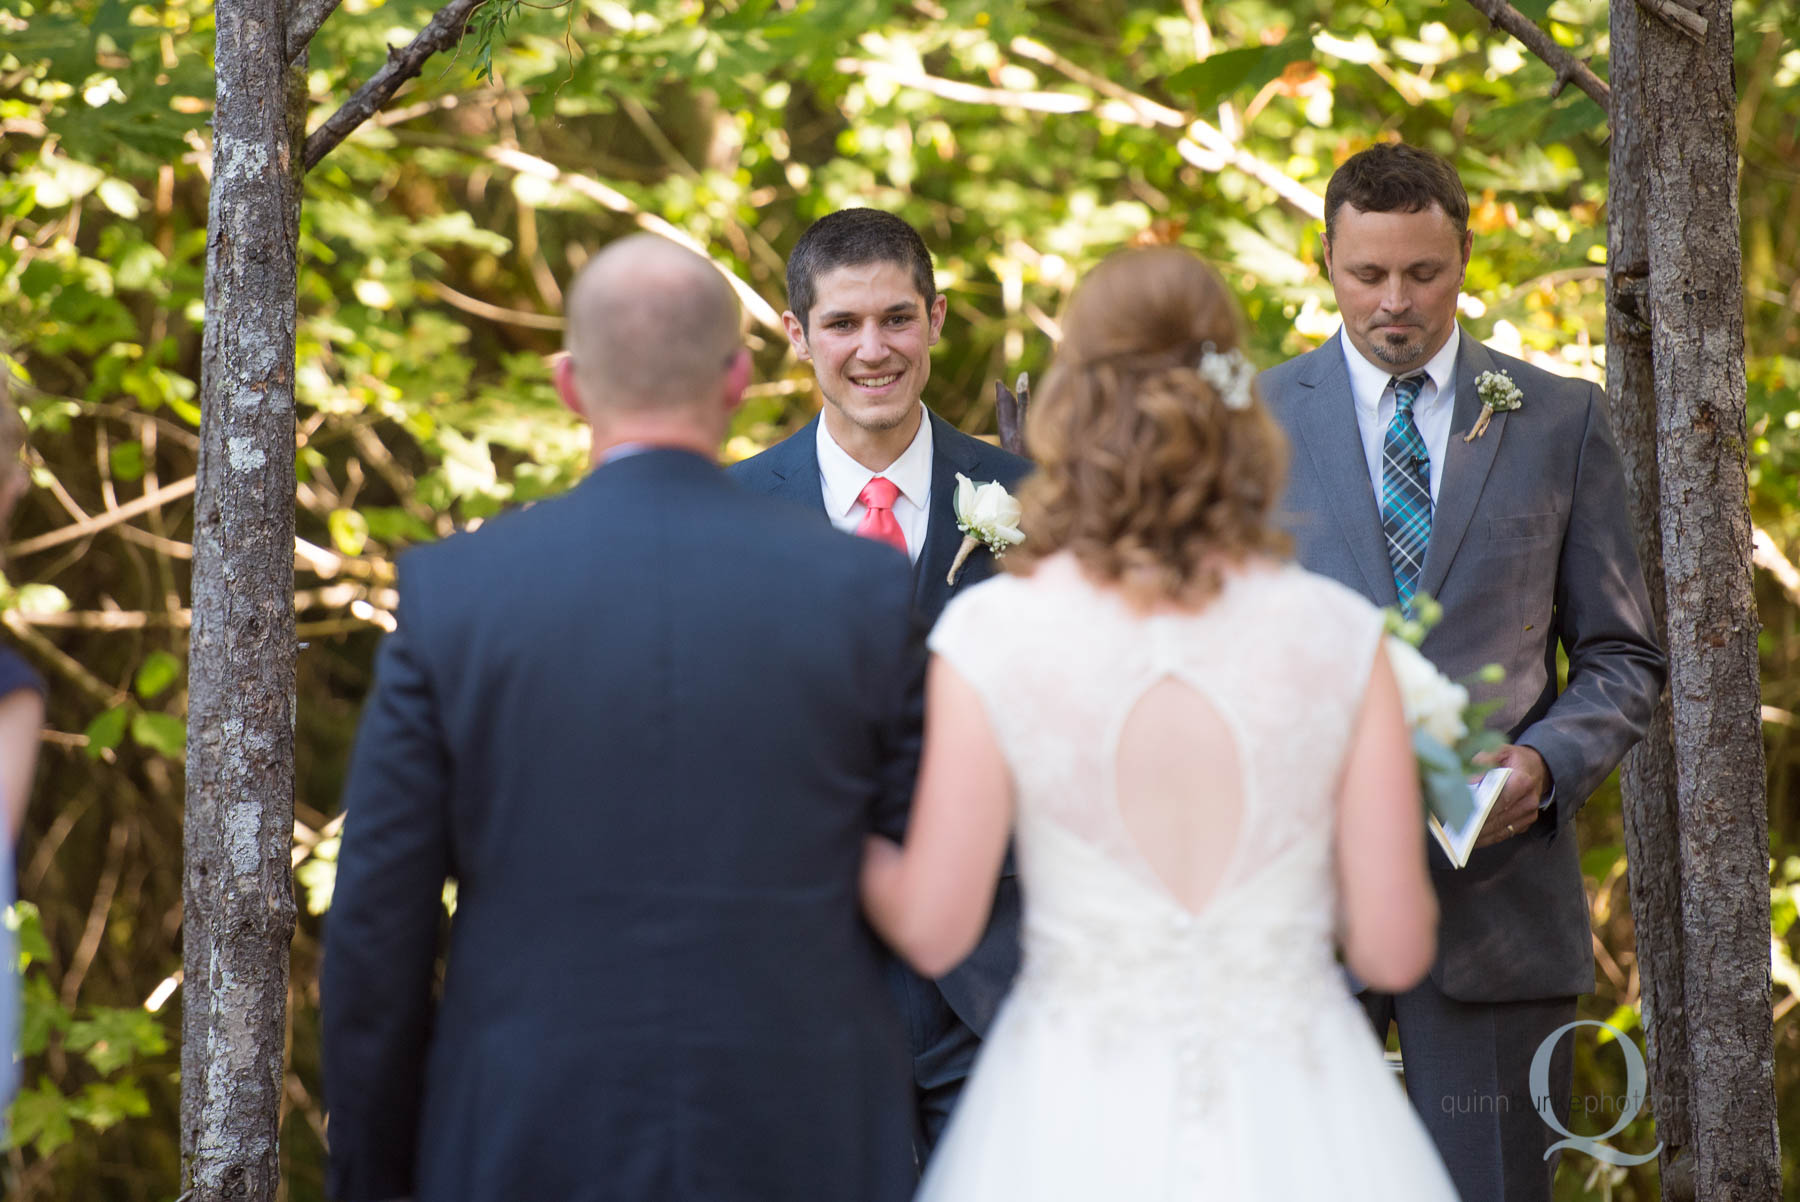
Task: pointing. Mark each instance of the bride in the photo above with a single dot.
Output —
(1199, 750)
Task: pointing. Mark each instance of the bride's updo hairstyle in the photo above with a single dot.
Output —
(1155, 468)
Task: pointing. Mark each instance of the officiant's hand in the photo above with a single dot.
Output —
(1517, 808)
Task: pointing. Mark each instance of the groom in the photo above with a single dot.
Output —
(864, 310)
(652, 790)
(1521, 533)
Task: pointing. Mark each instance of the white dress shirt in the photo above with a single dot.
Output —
(842, 479)
(1432, 412)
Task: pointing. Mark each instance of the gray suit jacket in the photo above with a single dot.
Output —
(1531, 549)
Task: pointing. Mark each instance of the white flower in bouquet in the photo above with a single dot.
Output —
(1433, 703)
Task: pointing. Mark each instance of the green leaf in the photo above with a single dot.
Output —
(42, 599)
(22, 919)
(115, 1036)
(40, 1118)
(1221, 74)
(1623, 1019)
(1596, 862)
(1442, 780)
(42, 1014)
(105, 731)
(127, 459)
(120, 197)
(391, 524)
(349, 531)
(105, 1103)
(158, 671)
(318, 876)
(162, 733)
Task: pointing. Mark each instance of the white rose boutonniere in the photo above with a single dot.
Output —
(1498, 394)
(988, 516)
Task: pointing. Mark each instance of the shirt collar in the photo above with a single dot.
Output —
(1368, 381)
(844, 478)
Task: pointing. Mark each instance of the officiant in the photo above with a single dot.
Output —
(1428, 464)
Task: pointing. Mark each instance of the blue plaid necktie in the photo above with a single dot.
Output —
(1405, 490)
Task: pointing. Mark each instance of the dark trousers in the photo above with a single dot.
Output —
(1468, 1067)
(943, 1051)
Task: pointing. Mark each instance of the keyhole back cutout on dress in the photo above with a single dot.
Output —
(1179, 786)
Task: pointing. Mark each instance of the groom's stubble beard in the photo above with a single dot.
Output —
(884, 422)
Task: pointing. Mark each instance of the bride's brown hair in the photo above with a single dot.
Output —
(1144, 472)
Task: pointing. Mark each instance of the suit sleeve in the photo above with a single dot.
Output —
(902, 724)
(382, 933)
(1605, 625)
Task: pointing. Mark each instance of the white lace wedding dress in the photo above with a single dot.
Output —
(1180, 1029)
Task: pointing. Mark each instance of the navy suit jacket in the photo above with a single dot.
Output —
(616, 720)
(790, 469)
(1531, 549)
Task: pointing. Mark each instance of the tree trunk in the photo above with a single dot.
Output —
(238, 904)
(1697, 329)
(1652, 835)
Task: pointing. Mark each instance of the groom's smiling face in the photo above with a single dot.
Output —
(1396, 276)
(869, 338)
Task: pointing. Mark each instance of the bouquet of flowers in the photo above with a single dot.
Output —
(1448, 732)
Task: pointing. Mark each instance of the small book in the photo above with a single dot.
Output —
(1457, 826)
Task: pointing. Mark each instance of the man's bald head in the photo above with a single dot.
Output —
(650, 325)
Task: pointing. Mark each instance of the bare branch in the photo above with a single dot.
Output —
(1568, 68)
(1151, 110)
(101, 521)
(968, 93)
(61, 662)
(304, 22)
(611, 198)
(331, 596)
(1686, 20)
(1205, 146)
(443, 31)
(481, 308)
(1767, 556)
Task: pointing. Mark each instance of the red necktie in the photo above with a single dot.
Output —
(879, 522)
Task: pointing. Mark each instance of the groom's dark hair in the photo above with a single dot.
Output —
(852, 238)
(1392, 177)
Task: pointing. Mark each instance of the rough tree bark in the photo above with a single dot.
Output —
(237, 893)
(237, 885)
(1652, 836)
(1687, 110)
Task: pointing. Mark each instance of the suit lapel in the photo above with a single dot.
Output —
(950, 454)
(1466, 466)
(1326, 429)
(794, 464)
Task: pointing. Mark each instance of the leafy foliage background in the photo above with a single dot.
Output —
(1026, 138)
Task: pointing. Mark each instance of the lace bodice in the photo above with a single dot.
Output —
(1175, 780)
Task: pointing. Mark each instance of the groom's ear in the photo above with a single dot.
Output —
(1325, 254)
(796, 333)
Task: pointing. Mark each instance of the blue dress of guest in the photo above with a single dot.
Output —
(15, 674)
